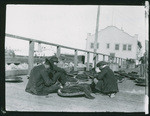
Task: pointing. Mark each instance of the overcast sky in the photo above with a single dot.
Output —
(69, 24)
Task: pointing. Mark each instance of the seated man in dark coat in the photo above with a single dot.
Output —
(43, 78)
(105, 81)
(56, 73)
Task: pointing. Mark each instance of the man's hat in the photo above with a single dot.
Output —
(53, 59)
(101, 63)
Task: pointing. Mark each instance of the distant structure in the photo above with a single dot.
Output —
(70, 58)
(114, 41)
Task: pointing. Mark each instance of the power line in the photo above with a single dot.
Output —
(127, 18)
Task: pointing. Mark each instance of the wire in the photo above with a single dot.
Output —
(130, 20)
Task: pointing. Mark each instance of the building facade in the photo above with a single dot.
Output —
(114, 41)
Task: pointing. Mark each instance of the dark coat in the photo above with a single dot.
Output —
(39, 80)
(57, 73)
(107, 82)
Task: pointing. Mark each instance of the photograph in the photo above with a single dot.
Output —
(76, 58)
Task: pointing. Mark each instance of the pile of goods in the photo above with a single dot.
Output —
(121, 75)
(140, 82)
(90, 73)
(71, 80)
(72, 73)
(77, 84)
(133, 75)
(14, 66)
(76, 90)
(70, 91)
(82, 77)
(13, 79)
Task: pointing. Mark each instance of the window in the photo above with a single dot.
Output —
(116, 46)
(124, 47)
(92, 45)
(129, 47)
(97, 45)
(107, 46)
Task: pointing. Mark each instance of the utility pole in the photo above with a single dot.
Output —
(96, 36)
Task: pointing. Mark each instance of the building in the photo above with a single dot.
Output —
(70, 58)
(114, 41)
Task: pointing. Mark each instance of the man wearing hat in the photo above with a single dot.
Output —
(56, 73)
(105, 81)
(43, 78)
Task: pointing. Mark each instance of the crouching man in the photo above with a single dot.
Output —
(105, 81)
(44, 78)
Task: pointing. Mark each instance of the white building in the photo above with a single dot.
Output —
(113, 40)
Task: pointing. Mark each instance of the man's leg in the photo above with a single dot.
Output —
(52, 89)
(61, 77)
(86, 90)
(99, 86)
(92, 86)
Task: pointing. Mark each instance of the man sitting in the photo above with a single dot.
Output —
(43, 78)
(105, 81)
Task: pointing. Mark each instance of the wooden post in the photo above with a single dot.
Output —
(31, 56)
(39, 47)
(75, 60)
(119, 62)
(88, 59)
(124, 61)
(58, 52)
(108, 58)
(116, 59)
(103, 57)
(97, 58)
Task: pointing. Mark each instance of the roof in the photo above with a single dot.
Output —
(115, 28)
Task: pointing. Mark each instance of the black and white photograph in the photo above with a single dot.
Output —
(76, 58)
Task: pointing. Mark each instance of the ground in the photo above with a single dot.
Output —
(130, 98)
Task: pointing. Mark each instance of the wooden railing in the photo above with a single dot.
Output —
(31, 51)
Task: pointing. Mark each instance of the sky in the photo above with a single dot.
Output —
(69, 25)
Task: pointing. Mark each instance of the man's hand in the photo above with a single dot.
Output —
(97, 69)
(95, 81)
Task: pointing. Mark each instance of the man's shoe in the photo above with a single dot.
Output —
(89, 97)
(112, 95)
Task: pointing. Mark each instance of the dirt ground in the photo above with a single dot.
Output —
(130, 98)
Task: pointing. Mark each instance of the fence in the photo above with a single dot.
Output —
(31, 52)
